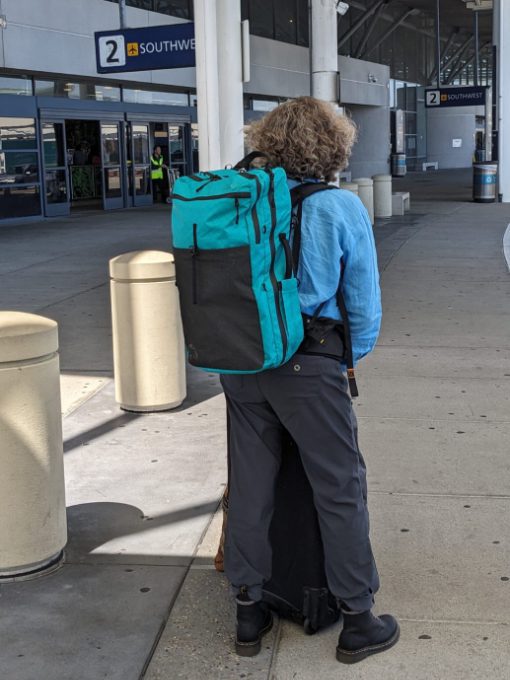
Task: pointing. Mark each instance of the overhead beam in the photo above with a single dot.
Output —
(456, 58)
(390, 30)
(448, 45)
(466, 63)
(363, 43)
(359, 22)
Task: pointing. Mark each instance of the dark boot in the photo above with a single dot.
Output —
(253, 620)
(364, 634)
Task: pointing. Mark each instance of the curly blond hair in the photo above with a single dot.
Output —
(306, 137)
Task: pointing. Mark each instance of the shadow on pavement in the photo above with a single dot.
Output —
(91, 525)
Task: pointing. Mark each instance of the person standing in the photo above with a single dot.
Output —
(157, 168)
(309, 396)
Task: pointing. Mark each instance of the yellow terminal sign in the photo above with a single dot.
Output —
(133, 49)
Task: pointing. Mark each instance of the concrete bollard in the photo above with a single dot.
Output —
(148, 342)
(33, 525)
(350, 186)
(382, 196)
(366, 194)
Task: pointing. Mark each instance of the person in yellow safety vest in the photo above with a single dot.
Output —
(157, 177)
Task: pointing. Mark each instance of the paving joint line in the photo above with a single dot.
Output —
(378, 492)
(432, 419)
(174, 599)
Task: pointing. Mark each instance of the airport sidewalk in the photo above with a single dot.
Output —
(434, 428)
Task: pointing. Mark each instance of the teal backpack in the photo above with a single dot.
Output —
(238, 293)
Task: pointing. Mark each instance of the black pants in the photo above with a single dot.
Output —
(158, 187)
(309, 397)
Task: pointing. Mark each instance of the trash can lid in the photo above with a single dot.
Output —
(141, 265)
(363, 181)
(382, 178)
(26, 336)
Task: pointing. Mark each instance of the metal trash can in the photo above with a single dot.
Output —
(484, 182)
(148, 342)
(33, 525)
(399, 165)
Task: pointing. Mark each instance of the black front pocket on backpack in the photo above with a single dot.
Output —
(219, 310)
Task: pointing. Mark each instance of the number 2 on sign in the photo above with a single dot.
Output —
(112, 51)
(433, 98)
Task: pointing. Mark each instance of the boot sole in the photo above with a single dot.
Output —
(253, 648)
(349, 657)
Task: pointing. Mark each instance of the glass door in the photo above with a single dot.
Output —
(55, 174)
(140, 164)
(177, 147)
(113, 192)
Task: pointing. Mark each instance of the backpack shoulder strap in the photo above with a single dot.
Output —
(298, 195)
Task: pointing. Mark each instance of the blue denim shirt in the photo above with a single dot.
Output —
(335, 226)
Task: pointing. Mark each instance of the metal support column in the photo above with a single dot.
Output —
(477, 46)
(208, 109)
(503, 74)
(122, 13)
(438, 45)
(230, 81)
(324, 51)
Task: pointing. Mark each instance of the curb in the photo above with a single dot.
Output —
(506, 246)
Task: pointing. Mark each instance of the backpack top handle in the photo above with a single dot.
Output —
(245, 163)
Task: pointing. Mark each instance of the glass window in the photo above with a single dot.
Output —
(56, 188)
(11, 85)
(19, 202)
(106, 93)
(17, 134)
(176, 137)
(194, 147)
(142, 184)
(72, 90)
(263, 104)
(302, 23)
(155, 97)
(140, 4)
(261, 18)
(19, 167)
(141, 144)
(176, 8)
(112, 183)
(53, 145)
(110, 142)
(285, 18)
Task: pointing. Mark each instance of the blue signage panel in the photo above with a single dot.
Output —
(455, 96)
(145, 49)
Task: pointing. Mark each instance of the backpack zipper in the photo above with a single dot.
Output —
(254, 214)
(272, 274)
(194, 269)
(238, 194)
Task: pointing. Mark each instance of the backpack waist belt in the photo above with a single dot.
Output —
(324, 337)
(327, 337)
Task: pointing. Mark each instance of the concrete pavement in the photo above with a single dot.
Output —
(138, 594)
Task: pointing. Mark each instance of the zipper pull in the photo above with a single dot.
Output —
(237, 210)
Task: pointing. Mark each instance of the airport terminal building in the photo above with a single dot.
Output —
(73, 139)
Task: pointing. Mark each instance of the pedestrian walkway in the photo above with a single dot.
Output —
(138, 594)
